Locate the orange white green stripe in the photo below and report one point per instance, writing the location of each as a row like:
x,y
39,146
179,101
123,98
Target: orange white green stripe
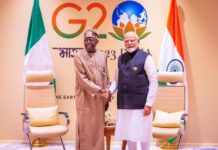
x,y
172,53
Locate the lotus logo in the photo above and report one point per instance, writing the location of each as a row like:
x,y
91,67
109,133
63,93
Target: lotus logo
x,y
129,16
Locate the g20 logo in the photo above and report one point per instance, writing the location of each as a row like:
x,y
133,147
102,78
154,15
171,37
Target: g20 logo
x,y
81,22
127,16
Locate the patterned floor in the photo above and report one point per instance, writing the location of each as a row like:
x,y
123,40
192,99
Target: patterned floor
x,y
19,146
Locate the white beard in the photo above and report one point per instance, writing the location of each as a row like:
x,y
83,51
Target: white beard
x,y
131,50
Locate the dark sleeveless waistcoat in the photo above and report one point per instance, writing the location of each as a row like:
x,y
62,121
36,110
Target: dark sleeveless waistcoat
x,y
132,81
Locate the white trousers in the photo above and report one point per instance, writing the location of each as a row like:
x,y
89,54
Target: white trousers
x,y
132,125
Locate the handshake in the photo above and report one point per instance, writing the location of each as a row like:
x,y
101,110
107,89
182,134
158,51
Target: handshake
x,y
105,93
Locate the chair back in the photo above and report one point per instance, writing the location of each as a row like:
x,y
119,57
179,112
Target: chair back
x,y
170,98
38,92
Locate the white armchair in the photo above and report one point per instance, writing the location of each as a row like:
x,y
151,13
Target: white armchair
x,y
41,116
169,108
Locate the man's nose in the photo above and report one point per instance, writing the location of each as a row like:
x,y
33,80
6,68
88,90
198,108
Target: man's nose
x,y
88,41
128,42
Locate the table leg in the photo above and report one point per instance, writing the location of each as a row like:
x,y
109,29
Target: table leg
x,y
124,142
108,142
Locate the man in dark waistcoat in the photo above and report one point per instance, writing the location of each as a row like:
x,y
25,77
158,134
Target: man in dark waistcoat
x,y
136,82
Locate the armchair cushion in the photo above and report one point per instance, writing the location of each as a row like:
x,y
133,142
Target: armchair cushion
x,y
167,120
48,131
45,116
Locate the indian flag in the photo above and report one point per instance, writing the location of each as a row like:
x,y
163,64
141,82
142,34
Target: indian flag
x,y
37,55
171,54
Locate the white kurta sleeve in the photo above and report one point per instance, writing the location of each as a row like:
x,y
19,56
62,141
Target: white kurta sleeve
x,y
151,72
114,83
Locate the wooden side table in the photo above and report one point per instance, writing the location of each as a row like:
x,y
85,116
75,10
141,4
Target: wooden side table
x,y
108,132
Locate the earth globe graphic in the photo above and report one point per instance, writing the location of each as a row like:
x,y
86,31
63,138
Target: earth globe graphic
x,y
129,16
129,11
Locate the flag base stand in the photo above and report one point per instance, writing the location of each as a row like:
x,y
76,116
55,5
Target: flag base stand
x,y
166,145
39,143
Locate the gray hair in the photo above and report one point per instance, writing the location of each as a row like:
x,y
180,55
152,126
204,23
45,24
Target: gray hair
x,y
132,33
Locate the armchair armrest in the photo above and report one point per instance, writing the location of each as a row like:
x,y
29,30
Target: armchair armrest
x,y
183,122
25,122
67,118
183,117
25,116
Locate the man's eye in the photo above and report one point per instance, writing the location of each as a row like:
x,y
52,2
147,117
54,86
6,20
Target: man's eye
x,y
90,40
129,41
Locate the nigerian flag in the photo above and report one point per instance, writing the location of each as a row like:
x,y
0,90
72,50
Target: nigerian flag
x,y
171,54
37,55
